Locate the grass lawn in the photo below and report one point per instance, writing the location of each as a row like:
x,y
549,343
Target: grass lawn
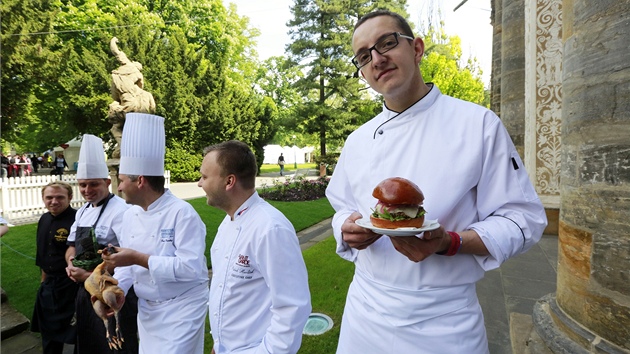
x,y
329,275
267,168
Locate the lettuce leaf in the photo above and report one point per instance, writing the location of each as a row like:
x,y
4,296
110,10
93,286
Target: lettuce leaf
x,y
396,216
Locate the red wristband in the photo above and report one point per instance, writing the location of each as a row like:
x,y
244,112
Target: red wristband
x,y
456,244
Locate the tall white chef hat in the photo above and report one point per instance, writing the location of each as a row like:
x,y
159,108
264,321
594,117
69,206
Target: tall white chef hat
x,y
92,158
143,145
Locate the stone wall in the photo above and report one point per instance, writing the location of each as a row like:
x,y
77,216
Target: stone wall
x,y
513,70
496,19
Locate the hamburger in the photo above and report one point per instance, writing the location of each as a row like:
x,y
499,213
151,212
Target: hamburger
x,y
399,204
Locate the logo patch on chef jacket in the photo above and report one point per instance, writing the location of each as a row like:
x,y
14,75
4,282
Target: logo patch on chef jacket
x,y
101,232
242,269
61,235
166,235
243,260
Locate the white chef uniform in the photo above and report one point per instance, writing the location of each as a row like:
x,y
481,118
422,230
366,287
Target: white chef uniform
x,y
109,225
463,160
173,292
106,220
259,296
91,165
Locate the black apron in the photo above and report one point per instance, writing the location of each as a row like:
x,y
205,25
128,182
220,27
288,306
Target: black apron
x,y
91,329
86,244
54,309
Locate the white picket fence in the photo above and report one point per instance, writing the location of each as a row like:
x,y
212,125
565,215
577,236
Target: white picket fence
x,y
21,197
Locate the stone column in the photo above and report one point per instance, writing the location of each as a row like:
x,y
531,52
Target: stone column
x,y
513,70
591,309
112,166
495,80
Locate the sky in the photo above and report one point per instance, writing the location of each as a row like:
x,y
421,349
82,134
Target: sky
x,y
471,22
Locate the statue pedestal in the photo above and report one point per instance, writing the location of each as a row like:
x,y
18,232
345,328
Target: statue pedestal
x,y
112,166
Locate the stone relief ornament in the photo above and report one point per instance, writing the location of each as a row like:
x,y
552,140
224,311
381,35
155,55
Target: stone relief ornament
x,y
548,95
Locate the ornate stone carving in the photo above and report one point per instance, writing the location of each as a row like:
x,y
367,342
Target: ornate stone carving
x,y
548,95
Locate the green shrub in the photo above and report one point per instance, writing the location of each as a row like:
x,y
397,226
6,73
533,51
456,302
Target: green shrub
x,y
297,190
183,164
328,159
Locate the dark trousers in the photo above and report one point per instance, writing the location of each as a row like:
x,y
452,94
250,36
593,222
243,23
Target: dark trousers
x,y
53,347
53,312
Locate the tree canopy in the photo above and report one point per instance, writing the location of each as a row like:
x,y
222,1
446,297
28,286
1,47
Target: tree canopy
x,y
200,64
198,61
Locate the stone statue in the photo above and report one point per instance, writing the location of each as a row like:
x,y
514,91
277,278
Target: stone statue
x,y
128,92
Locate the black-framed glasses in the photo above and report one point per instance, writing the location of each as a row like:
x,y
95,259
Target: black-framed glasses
x,y
383,46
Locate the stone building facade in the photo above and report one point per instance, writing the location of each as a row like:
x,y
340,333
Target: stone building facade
x,y
561,84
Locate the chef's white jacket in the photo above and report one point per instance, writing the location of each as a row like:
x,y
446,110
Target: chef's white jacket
x,y
176,283
109,225
463,160
259,296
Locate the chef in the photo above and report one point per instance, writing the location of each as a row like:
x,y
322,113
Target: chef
x,y
259,297
98,223
416,294
162,246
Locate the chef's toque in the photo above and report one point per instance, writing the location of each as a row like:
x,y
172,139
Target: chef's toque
x,y
92,159
143,145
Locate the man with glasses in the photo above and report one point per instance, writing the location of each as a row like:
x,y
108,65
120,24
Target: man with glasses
x,y
416,294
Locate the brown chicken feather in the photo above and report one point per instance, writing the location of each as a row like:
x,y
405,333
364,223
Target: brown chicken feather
x,y
107,298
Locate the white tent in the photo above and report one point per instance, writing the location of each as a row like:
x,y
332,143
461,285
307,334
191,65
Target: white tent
x,y
291,154
70,153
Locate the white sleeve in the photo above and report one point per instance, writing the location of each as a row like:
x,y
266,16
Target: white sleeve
x,y
282,266
512,217
124,275
189,261
340,196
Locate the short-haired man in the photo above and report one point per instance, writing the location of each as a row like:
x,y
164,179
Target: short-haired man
x,y
162,246
54,305
416,293
259,296
101,216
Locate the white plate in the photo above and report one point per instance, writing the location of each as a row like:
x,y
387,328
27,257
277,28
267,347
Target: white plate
x,y
428,225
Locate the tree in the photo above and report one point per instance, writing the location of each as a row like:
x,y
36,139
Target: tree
x,y
321,48
442,65
27,61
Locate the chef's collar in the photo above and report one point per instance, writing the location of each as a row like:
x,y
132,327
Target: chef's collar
x,y
422,104
427,101
156,203
246,207
105,200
